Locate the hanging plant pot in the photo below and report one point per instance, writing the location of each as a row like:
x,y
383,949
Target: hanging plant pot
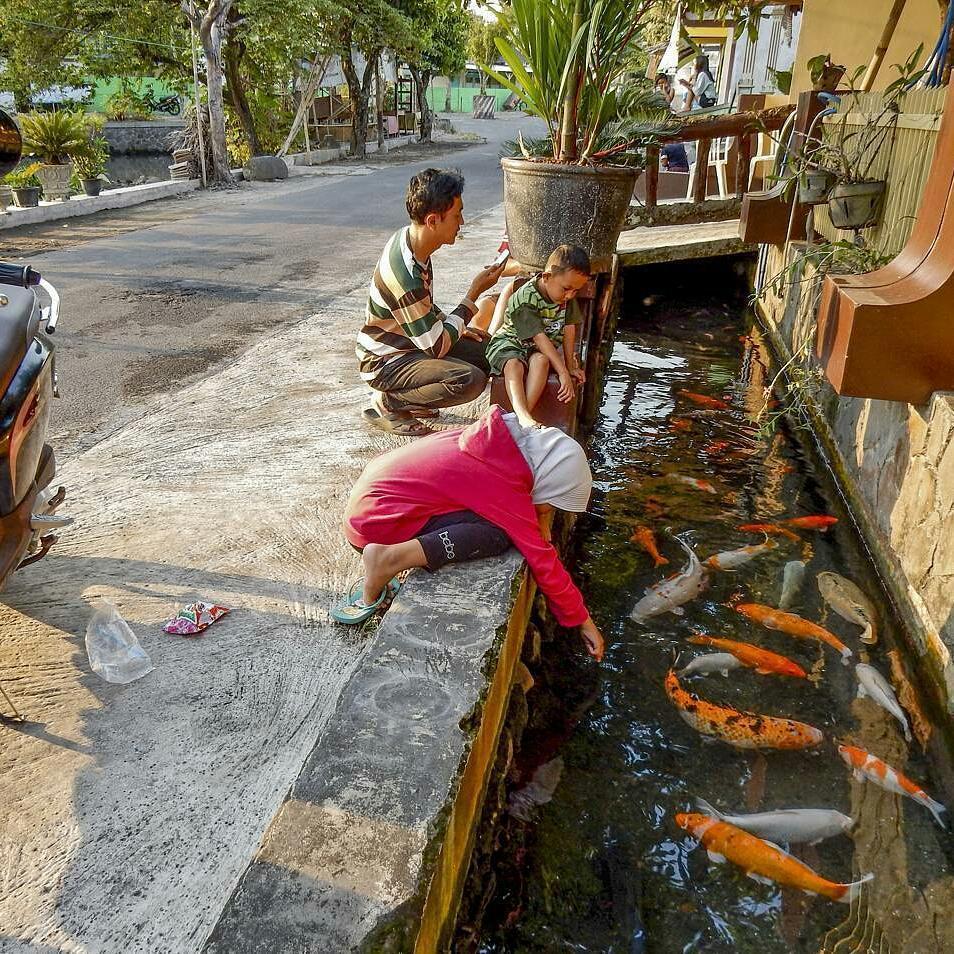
x,y
55,179
27,197
814,185
92,187
550,203
856,205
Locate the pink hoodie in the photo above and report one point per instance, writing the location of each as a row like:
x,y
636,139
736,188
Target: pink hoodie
x,y
477,468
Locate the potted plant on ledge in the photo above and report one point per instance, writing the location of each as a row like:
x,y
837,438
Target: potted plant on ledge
x,y
90,165
25,186
53,139
568,59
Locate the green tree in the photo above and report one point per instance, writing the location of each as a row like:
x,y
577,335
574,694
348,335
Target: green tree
x,y
482,44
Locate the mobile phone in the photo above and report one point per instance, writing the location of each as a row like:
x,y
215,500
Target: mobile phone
x,y
502,257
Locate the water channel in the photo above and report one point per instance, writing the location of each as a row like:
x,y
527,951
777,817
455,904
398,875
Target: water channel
x,y
600,865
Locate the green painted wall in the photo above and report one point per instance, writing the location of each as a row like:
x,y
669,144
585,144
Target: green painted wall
x,y
462,98
105,88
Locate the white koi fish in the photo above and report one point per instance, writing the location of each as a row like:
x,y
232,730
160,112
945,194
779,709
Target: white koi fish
x,y
731,559
711,662
873,685
669,595
847,600
864,765
792,577
790,825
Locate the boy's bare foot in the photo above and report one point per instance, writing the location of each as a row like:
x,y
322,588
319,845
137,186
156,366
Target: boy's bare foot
x,y
527,421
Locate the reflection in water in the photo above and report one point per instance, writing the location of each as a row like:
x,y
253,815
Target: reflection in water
x,y
605,859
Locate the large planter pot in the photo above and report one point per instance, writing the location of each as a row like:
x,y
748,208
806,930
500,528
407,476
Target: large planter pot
x,y
26,198
55,180
92,187
549,204
814,186
856,205
6,198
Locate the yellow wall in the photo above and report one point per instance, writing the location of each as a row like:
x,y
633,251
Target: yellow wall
x,y
850,30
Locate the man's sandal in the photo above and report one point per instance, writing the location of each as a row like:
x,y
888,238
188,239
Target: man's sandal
x,y
400,424
353,610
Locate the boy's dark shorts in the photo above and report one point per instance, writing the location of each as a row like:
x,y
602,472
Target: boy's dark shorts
x,y
498,357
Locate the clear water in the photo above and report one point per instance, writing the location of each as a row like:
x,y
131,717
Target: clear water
x,y
604,860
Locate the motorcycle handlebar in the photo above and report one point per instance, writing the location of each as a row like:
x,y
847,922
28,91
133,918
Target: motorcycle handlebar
x,y
20,275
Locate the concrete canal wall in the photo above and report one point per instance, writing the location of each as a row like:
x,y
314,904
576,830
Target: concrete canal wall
x,y
895,463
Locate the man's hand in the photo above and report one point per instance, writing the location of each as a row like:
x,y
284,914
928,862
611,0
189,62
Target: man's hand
x,y
486,279
592,639
566,392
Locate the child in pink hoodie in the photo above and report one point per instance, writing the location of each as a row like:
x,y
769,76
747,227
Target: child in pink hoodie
x,y
464,494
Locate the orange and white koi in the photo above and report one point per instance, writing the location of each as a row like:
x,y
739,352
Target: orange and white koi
x,y
730,559
793,625
703,400
769,528
814,522
864,765
761,860
693,482
668,595
680,424
647,540
761,660
716,447
743,730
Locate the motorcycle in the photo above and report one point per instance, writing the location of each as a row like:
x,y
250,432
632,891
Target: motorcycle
x,y
28,503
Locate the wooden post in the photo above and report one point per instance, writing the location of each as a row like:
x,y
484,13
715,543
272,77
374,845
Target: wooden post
x,y
743,157
882,47
701,184
652,176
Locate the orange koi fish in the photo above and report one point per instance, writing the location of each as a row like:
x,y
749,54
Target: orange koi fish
x,y
761,860
743,730
864,765
693,482
716,447
647,540
815,522
793,625
703,400
768,528
680,424
654,507
761,660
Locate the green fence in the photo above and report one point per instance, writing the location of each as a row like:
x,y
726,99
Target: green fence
x,y
462,98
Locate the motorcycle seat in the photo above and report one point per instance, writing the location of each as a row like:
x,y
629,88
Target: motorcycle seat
x,y
16,330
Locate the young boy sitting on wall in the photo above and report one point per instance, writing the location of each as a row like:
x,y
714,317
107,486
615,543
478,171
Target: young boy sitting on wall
x,y
540,316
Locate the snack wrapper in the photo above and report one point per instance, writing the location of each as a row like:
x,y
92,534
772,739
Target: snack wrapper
x,y
194,618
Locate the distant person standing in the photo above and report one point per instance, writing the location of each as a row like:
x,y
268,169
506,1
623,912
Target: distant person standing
x,y
701,91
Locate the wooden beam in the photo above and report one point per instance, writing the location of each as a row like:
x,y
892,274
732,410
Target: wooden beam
x,y
652,176
878,57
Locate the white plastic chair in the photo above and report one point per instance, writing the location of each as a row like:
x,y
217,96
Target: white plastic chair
x,y
718,160
765,151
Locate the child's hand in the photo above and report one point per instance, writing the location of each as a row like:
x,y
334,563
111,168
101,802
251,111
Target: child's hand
x,y
578,375
566,392
475,334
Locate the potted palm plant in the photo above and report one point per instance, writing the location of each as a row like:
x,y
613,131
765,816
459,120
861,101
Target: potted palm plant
x,y
568,60
53,139
25,186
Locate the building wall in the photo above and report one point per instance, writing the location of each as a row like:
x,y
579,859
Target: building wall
x,y
772,49
850,32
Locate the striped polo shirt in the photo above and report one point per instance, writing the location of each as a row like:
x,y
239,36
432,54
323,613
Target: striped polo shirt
x,y
401,316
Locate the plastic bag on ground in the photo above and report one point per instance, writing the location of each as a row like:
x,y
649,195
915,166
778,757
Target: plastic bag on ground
x,y
113,650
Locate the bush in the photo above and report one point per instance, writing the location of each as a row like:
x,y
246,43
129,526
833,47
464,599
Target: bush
x,y
23,177
127,104
55,137
91,161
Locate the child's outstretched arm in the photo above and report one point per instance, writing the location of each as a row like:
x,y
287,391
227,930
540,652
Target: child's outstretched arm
x,y
545,346
569,355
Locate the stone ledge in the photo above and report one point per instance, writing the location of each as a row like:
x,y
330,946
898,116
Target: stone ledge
x,y
86,205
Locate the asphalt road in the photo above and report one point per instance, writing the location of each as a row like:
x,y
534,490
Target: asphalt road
x,y
155,297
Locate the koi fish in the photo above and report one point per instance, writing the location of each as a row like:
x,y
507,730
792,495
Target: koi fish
x,y
815,522
730,559
669,595
647,540
680,424
791,825
761,860
703,400
716,447
792,577
743,730
864,765
768,528
694,482
872,684
793,625
711,662
761,660
847,600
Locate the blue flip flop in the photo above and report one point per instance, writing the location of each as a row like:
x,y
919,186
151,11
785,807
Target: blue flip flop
x,y
353,610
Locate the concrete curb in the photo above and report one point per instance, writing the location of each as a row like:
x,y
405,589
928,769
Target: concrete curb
x,y
318,157
87,205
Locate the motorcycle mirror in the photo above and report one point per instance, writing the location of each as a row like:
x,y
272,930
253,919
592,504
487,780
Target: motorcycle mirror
x,y
11,144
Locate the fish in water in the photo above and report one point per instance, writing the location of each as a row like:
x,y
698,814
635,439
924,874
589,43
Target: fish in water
x,y
792,577
768,528
731,559
793,625
693,482
743,730
680,424
814,522
864,765
761,660
873,685
647,540
711,662
669,595
761,860
847,600
791,825
716,447
703,400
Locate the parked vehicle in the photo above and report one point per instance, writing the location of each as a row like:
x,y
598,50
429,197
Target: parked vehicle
x,y
29,309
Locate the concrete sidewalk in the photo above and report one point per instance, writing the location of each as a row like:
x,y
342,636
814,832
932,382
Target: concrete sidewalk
x,y
129,814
